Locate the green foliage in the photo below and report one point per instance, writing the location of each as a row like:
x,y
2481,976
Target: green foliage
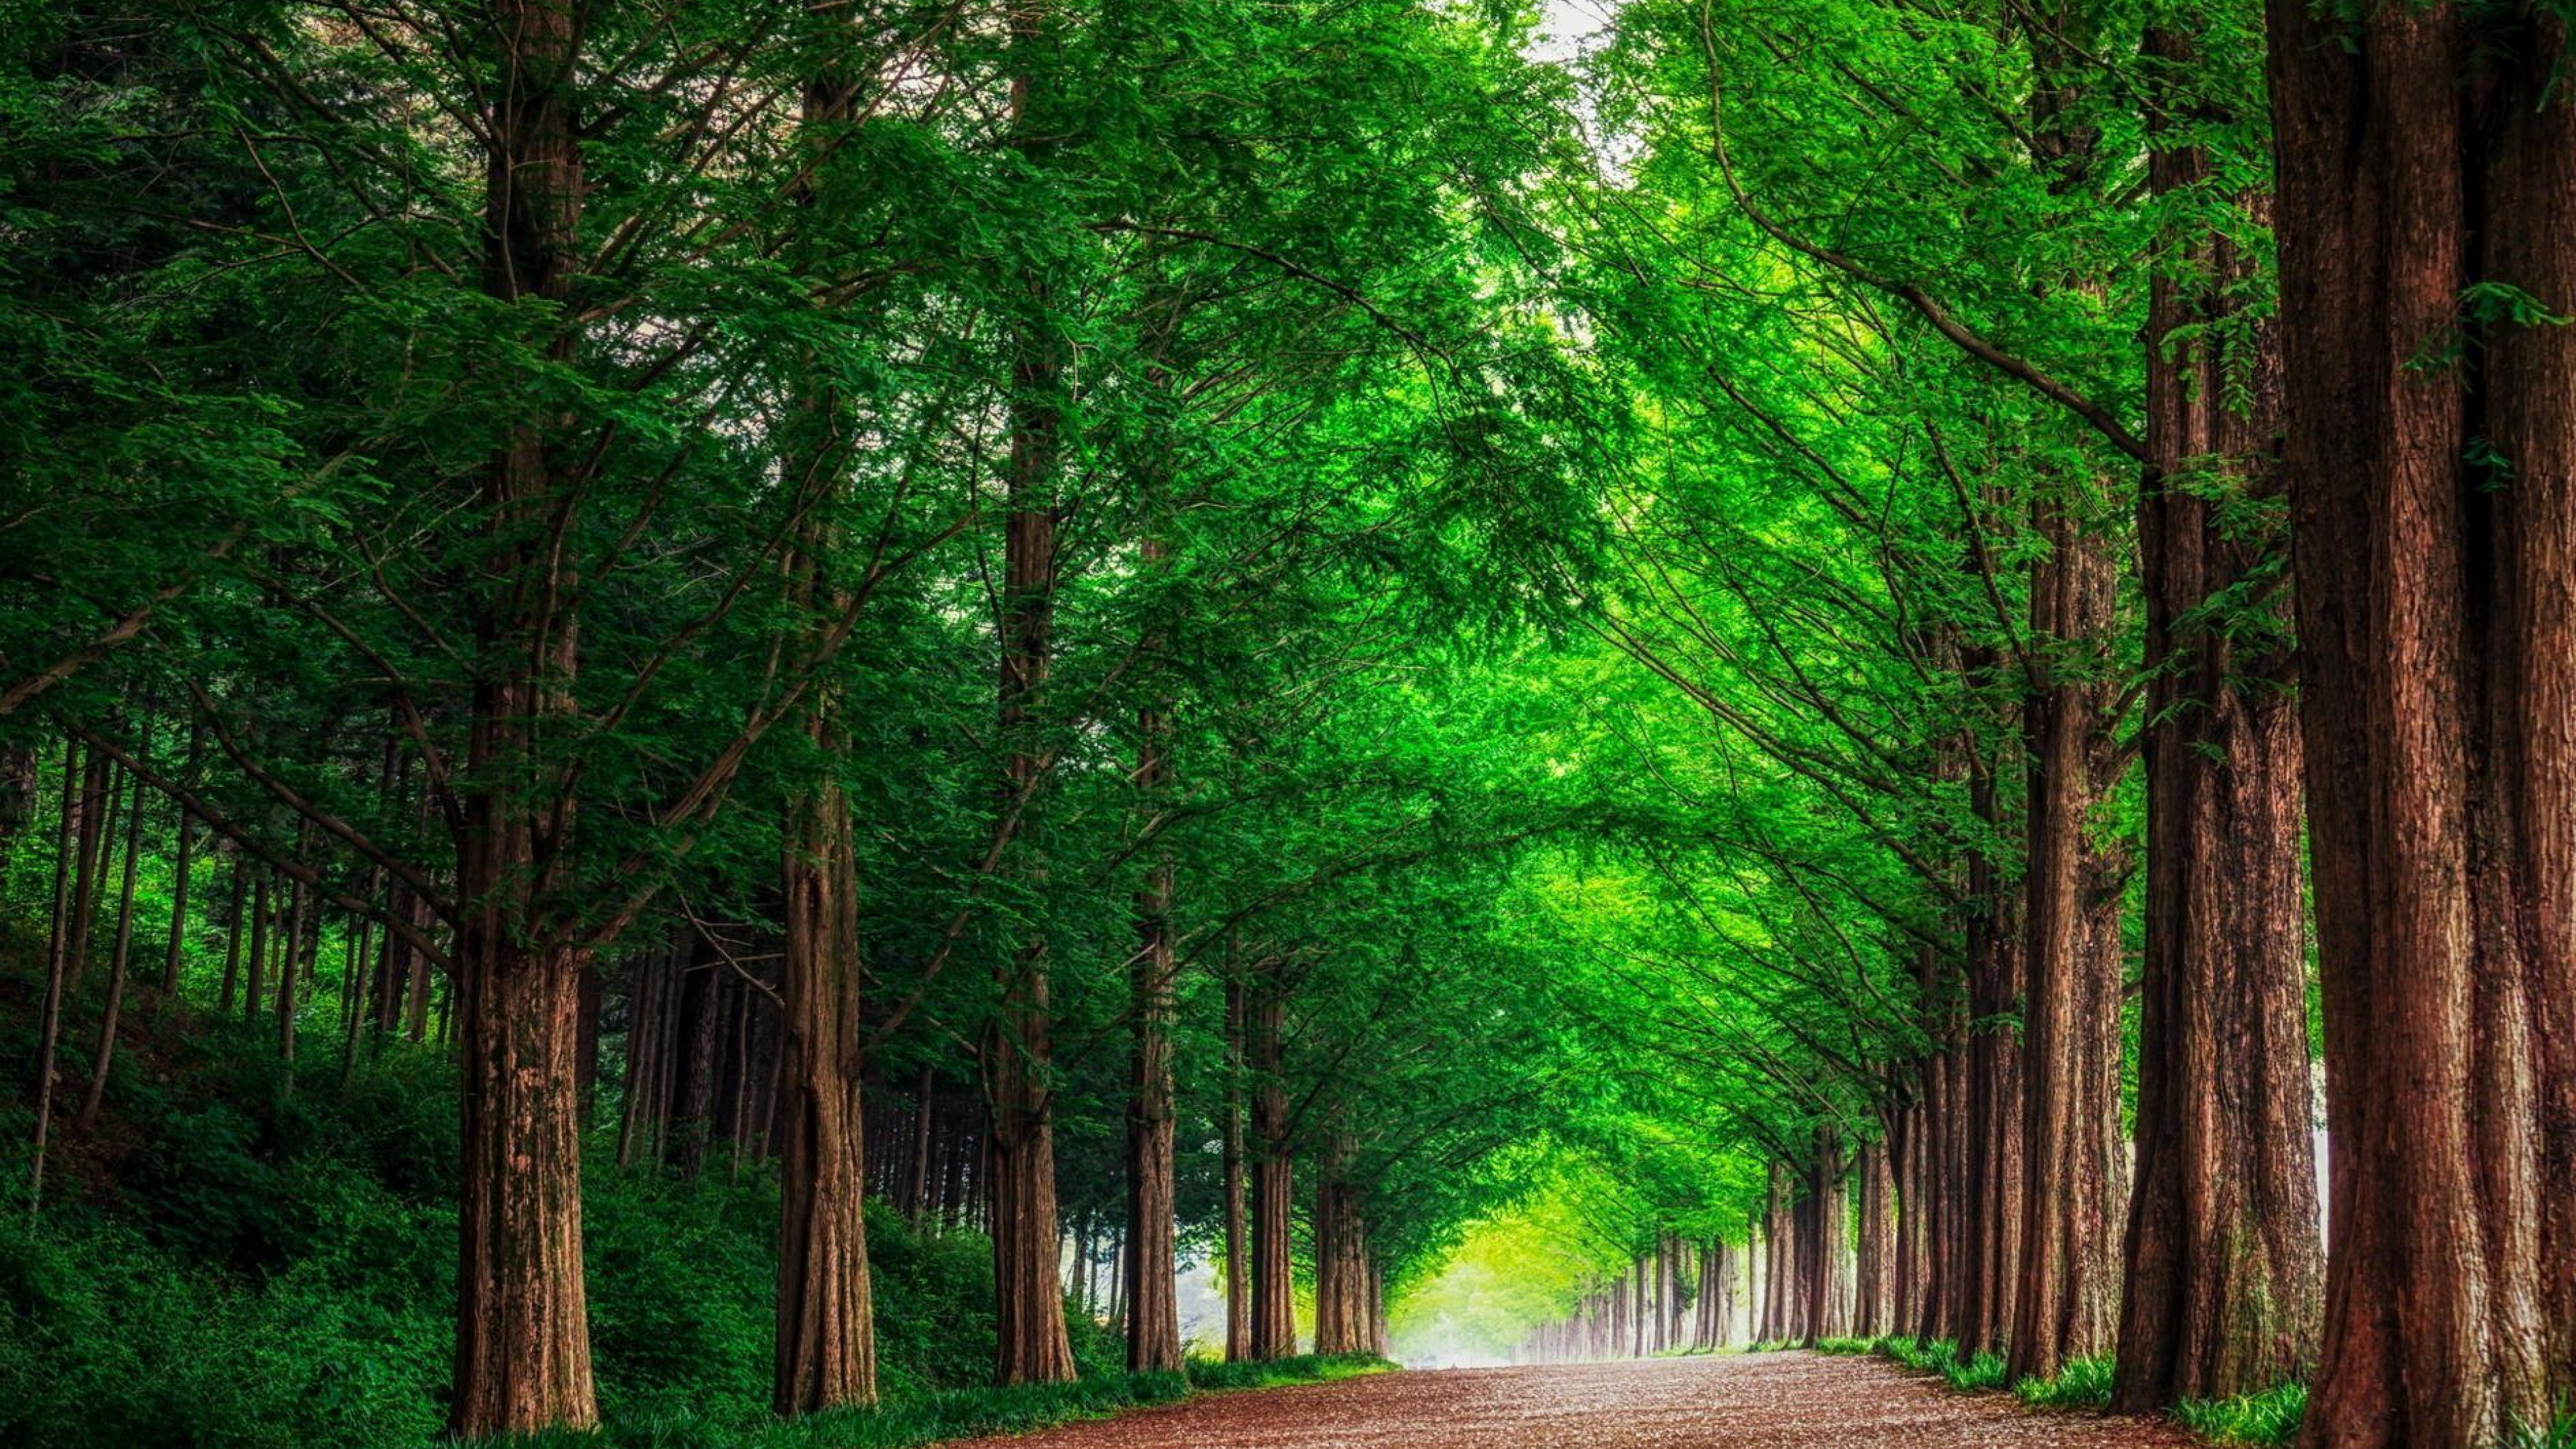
x,y
2084,1383
1845,1346
2265,1419
1923,1356
1976,1373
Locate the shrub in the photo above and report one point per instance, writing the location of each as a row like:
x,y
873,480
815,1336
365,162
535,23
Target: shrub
x,y
2085,1383
1975,1374
1923,1356
2267,1418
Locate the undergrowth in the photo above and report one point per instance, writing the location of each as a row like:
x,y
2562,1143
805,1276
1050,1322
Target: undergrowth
x,y
2084,1383
2262,1419
231,1261
960,1413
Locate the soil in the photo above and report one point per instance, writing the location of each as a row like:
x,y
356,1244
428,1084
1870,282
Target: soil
x,y
1731,1401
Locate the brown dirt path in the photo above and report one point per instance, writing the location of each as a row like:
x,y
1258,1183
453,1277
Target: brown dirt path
x,y
1753,1401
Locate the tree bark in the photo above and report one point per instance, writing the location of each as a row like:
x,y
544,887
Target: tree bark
x,y
826,1347
57,964
118,961
2223,1269
1343,1315
2065,1302
1828,1305
1238,1232
1274,1324
1990,1130
522,1339
1874,1268
2428,186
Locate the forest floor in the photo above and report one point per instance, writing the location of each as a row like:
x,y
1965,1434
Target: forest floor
x,y
1730,1401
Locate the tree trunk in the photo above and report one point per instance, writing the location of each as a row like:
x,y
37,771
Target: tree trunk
x,y
1989,1241
2223,1268
1153,1313
1343,1318
1238,1271
2428,187
826,1349
1274,1325
57,963
184,855
1828,1308
522,1337
97,823
1874,1270
118,961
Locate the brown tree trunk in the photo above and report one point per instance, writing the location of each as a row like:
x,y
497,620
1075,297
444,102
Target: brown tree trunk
x,y
255,975
1153,1313
1874,1270
1343,1317
1990,1129
1274,1324
184,855
826,1348
118,960
2428,185
522,1339
57,963
290,975
1017,1052
89,873
825,1345
1828,1305
1238,1232
2065,1300
2224,1275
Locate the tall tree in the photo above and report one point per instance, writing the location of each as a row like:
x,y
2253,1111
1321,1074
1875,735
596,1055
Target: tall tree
x,y
2427,174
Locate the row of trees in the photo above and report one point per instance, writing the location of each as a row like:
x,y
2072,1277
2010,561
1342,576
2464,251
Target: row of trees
x,y
871,581
1218,627
2104,456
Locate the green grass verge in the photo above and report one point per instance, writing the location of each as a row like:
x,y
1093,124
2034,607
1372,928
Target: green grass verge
x,y
2084,1383
1846,1345
2268,1418
964,1413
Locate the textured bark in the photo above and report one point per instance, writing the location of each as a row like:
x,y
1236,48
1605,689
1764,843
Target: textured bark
x,y
522,1339
2224,1272
1153,1294
2431,468
1274,1324
826,1347
1821,1237
1990,1128
1017,1051
1238,1232
1345,1315
1874,1268
2065,1302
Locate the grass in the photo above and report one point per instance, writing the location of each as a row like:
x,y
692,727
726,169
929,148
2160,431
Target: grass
x,y
1975,1374
961,1413
2084,1383
2261,1419
1846,1345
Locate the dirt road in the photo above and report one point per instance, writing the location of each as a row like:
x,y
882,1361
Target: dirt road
x,y
1755,1401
